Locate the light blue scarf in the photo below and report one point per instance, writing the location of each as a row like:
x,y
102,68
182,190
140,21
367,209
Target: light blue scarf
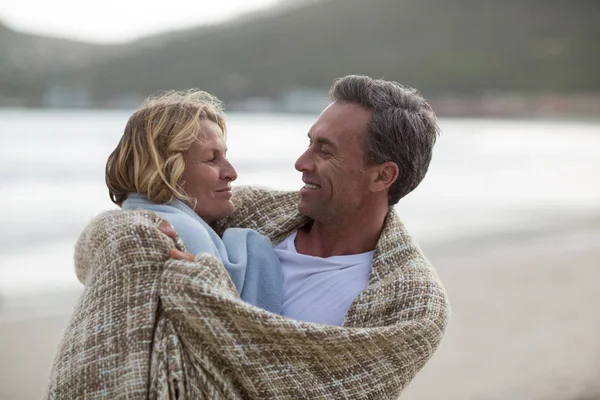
x,y
247,255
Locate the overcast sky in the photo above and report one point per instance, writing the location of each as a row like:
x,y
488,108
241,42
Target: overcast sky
x,y
111,21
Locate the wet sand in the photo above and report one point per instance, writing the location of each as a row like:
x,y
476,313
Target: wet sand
x,y
26,353
525,321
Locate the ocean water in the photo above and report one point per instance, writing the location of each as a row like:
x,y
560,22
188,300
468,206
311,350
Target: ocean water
x,y
487,177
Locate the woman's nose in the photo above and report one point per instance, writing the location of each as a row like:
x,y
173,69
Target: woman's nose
x,y
229,173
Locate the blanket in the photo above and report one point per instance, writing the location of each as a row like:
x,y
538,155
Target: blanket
x,y
148,326
247,256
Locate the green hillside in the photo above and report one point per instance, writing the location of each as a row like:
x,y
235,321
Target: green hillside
x,y
29,62
452,46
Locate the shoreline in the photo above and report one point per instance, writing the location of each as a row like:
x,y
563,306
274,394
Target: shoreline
x,y
456,109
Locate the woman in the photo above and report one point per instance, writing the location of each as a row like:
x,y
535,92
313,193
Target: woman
x,y
172,160
170,165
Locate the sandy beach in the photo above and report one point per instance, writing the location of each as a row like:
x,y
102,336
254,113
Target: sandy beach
x,y
524,324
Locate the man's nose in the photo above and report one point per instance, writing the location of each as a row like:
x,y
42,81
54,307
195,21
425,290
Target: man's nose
x,y
304,163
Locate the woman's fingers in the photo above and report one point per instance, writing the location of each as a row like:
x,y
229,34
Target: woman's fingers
x,y
180,255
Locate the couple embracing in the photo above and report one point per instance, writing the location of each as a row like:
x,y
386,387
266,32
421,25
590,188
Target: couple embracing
x,y
197,289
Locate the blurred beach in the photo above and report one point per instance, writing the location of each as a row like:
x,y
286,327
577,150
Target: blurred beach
x,y
509,214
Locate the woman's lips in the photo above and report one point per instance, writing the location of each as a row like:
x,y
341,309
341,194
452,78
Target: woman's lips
x,y
225,193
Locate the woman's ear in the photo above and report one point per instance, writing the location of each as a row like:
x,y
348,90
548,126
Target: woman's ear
x,y
385,175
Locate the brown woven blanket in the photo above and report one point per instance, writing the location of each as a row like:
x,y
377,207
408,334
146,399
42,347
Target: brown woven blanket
x,y
150,327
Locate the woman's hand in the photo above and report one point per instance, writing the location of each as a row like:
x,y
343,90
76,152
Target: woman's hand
x,y
168,230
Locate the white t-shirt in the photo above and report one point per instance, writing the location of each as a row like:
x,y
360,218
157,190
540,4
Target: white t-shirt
x,y
317,289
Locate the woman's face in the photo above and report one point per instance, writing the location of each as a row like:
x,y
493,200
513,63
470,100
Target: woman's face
x,y
207,174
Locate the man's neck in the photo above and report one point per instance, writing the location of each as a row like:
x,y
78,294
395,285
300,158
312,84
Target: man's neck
x,y
352,236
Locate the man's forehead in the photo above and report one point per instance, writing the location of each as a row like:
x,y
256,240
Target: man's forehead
x,y
340,120
326,108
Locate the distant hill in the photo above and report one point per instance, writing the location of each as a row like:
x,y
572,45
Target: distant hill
x,y
467,47
28,62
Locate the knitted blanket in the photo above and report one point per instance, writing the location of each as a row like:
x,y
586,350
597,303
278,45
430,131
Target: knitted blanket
x,y
247,256
150,327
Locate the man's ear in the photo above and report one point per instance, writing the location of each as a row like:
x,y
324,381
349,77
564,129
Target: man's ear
x,y
384,176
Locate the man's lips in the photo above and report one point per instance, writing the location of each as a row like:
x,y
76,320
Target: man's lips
x,y
310,185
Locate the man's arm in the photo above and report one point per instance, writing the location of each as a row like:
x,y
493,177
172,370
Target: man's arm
x,y
270,212
272,357
256,352
105,351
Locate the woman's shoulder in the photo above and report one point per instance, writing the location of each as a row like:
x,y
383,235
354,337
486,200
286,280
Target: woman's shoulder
x,y
183,219
197,235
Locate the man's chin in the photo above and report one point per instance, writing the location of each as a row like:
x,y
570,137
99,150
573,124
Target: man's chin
x,y
305,209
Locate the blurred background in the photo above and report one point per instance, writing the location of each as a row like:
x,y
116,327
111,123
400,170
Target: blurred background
x,y
509,213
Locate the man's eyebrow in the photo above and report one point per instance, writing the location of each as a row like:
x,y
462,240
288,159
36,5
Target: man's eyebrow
x,y
322,140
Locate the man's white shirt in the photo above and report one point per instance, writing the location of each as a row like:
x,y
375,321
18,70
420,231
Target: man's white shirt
x,y
317,289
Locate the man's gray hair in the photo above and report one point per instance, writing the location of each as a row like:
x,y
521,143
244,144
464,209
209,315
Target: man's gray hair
x,y
403,128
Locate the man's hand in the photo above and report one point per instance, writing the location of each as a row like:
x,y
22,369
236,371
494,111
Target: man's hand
x,y
168,230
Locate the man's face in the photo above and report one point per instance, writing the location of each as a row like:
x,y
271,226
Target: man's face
x,y
333,169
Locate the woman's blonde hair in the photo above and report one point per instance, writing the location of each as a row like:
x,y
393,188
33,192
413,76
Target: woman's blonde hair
x,y
149,157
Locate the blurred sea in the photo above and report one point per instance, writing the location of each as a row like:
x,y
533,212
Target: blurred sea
x,y
488,177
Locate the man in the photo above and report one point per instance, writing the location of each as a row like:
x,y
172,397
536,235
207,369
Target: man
x,y
363,310
369,148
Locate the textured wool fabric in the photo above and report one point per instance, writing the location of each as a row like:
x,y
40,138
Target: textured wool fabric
x,y
150,327
248,257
